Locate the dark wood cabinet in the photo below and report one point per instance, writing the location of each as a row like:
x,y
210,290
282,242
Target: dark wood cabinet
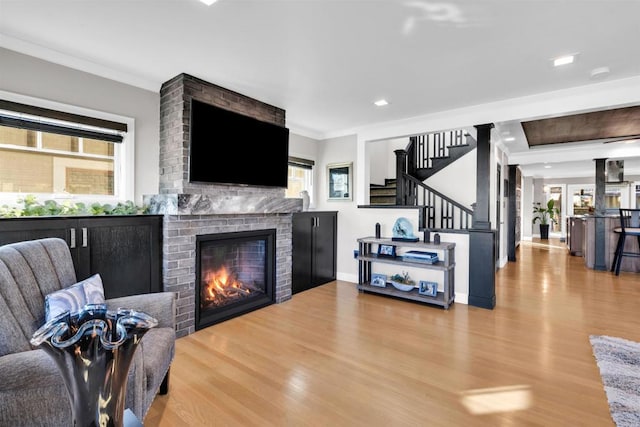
x,y
125,250
314,244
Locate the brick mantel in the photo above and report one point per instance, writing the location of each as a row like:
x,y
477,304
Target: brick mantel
x,y
175,113
192,209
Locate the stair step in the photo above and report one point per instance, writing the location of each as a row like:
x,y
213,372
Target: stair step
x,y
383,194
388,184
382,200
383,191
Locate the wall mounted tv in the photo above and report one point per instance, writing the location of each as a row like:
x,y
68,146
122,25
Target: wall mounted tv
x,y
231,148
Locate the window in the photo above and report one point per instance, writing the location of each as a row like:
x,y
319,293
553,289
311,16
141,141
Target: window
x,y
53,153
300,177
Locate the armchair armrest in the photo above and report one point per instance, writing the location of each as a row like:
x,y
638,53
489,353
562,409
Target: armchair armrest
x,y
161,305
32,391
28,370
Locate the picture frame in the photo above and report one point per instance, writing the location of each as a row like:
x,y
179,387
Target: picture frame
x,y
340,181
379,280
386,250
429,289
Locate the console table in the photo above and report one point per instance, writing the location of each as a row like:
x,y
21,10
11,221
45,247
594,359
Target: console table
x,y
446,264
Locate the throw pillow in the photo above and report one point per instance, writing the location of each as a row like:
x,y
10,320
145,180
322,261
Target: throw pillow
x,y
73,298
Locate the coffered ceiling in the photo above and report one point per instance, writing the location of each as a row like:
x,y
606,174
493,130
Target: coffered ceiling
x,y
614,125
326,62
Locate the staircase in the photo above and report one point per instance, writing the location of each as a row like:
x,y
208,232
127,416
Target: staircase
x,y
383,194
426,155
429,153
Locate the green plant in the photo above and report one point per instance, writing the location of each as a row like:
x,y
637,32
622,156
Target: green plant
x,y
545,214
402,278
31,207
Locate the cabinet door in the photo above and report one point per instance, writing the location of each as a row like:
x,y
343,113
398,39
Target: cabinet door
x,y
301,252
126,251
21,229
324,248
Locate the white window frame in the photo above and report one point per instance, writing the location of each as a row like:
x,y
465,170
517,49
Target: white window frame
x,y
310,177
123,158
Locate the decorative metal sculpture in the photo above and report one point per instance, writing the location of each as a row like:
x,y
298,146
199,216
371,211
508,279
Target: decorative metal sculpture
x,y
93,349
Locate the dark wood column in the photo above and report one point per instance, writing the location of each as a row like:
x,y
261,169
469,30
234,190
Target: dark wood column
x,y
401,168
600,211
482,240
483,177
511,212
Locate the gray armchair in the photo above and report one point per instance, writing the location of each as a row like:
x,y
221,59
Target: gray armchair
x,y
32,391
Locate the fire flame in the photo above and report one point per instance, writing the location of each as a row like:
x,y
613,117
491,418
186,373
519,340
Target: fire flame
x,y
222,285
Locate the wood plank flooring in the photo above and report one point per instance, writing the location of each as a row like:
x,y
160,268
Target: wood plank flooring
x,y
334,357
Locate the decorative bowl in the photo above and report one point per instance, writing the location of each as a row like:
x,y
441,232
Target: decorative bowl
x,y
406,287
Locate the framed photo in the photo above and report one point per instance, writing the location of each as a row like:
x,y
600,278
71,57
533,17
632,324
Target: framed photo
x,y
379,280
387,251
340,181
429,289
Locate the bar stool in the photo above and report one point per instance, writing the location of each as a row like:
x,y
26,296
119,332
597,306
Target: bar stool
x,y
629,226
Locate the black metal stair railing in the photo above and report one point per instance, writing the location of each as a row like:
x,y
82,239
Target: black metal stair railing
x,y
423,149
439,211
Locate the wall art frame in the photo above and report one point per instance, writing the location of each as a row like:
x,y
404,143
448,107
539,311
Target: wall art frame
x,y
340,181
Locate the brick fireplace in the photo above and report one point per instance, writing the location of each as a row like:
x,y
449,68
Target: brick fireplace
x,y
195,209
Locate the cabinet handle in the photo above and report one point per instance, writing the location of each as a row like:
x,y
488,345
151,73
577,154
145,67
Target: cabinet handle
x,y
317,221
72,238
84,237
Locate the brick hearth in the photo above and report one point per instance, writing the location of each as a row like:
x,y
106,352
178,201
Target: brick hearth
x,y
192,209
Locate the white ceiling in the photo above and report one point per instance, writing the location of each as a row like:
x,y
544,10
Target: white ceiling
x,y
326,61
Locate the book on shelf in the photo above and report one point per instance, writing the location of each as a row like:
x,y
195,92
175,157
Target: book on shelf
x,y
420,256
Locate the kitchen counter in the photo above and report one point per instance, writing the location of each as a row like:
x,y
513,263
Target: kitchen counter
x,y
611,240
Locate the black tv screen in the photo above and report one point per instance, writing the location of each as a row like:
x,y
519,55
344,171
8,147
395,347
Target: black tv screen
x,y
231,148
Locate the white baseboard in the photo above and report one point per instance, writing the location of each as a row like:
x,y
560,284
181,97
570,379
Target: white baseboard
x,y
353,278
462,299
527,238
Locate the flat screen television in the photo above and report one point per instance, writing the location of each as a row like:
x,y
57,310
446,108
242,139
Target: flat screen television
x,y
231,148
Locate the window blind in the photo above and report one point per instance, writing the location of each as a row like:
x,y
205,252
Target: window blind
x,y
29,117
301,163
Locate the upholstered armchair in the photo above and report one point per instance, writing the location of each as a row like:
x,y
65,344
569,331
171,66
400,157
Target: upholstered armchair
x,y
32,391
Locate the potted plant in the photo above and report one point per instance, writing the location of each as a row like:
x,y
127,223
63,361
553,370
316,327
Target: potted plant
x,y
402,282
545,214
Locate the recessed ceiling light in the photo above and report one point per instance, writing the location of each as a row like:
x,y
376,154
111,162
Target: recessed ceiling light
x,y
381,103
547,167
208,2
509,139
563,60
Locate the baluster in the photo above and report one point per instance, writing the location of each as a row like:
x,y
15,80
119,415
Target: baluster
x,y
427,157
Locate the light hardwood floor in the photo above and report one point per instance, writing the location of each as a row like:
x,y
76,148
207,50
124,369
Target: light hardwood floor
x,y
334,357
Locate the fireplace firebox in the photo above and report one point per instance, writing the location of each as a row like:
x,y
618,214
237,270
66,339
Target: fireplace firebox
x,y
235,274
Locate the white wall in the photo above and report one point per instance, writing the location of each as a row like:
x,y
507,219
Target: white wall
x,y
382,159
458,180
303,147
26,75
392,145
354,222
378,157
307,148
